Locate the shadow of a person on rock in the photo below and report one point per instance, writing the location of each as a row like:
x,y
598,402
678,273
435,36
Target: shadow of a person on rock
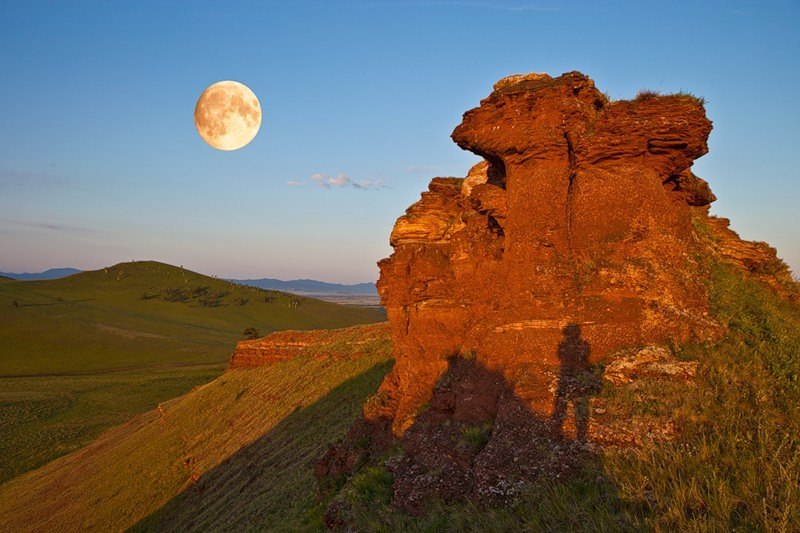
x,y
576,382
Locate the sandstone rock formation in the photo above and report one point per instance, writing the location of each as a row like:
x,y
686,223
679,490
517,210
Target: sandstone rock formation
x,y
580,214
757,259
573,242
285,345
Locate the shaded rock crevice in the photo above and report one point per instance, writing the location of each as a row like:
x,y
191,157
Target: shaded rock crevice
x,y
572,175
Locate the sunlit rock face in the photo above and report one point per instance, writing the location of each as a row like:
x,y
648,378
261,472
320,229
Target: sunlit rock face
x,y
580,214
756,259
582,237
288,344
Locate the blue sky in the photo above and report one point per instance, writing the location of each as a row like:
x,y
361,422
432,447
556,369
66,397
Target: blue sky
x,y
100,161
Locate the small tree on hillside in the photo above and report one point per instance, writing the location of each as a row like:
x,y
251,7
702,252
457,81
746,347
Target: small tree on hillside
x,y
251,333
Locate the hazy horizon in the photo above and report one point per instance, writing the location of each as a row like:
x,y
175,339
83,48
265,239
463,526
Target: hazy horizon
x,y
2,272
100,161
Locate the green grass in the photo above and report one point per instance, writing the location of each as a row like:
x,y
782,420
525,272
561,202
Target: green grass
x,y
476,437
45,418
737,463
102,320
84,353
237,451
647,94
734,466
687,94
586,503
252,436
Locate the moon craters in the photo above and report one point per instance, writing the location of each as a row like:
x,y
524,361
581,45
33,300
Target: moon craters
x,y
227,115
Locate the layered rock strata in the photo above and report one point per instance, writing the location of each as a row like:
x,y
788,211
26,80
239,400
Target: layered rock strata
x,y
578,244
285,345
579,215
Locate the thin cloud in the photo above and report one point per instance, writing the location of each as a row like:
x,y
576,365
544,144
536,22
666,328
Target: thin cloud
x,y
320,180
339,181
16,177
51,226
323,181
368,184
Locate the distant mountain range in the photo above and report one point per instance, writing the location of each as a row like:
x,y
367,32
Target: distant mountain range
x,y
309,286
295,285
53,273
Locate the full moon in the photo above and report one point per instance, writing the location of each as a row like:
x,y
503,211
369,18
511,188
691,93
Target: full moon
x,y
227,115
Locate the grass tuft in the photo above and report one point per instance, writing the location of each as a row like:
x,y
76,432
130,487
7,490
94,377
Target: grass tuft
x,y
686,94
476,437
646,94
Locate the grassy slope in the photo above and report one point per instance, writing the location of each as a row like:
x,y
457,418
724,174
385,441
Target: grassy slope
x,y
45,418
737,464
83,353
98,320
247,440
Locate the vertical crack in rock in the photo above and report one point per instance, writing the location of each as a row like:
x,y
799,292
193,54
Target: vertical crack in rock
x,y
572,174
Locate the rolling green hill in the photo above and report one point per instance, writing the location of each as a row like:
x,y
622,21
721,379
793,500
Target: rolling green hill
x,y
235,452
83,353
145,313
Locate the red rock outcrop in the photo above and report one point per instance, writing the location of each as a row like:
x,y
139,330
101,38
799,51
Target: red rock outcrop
x,y
580,214
756,259
573,242
284,345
